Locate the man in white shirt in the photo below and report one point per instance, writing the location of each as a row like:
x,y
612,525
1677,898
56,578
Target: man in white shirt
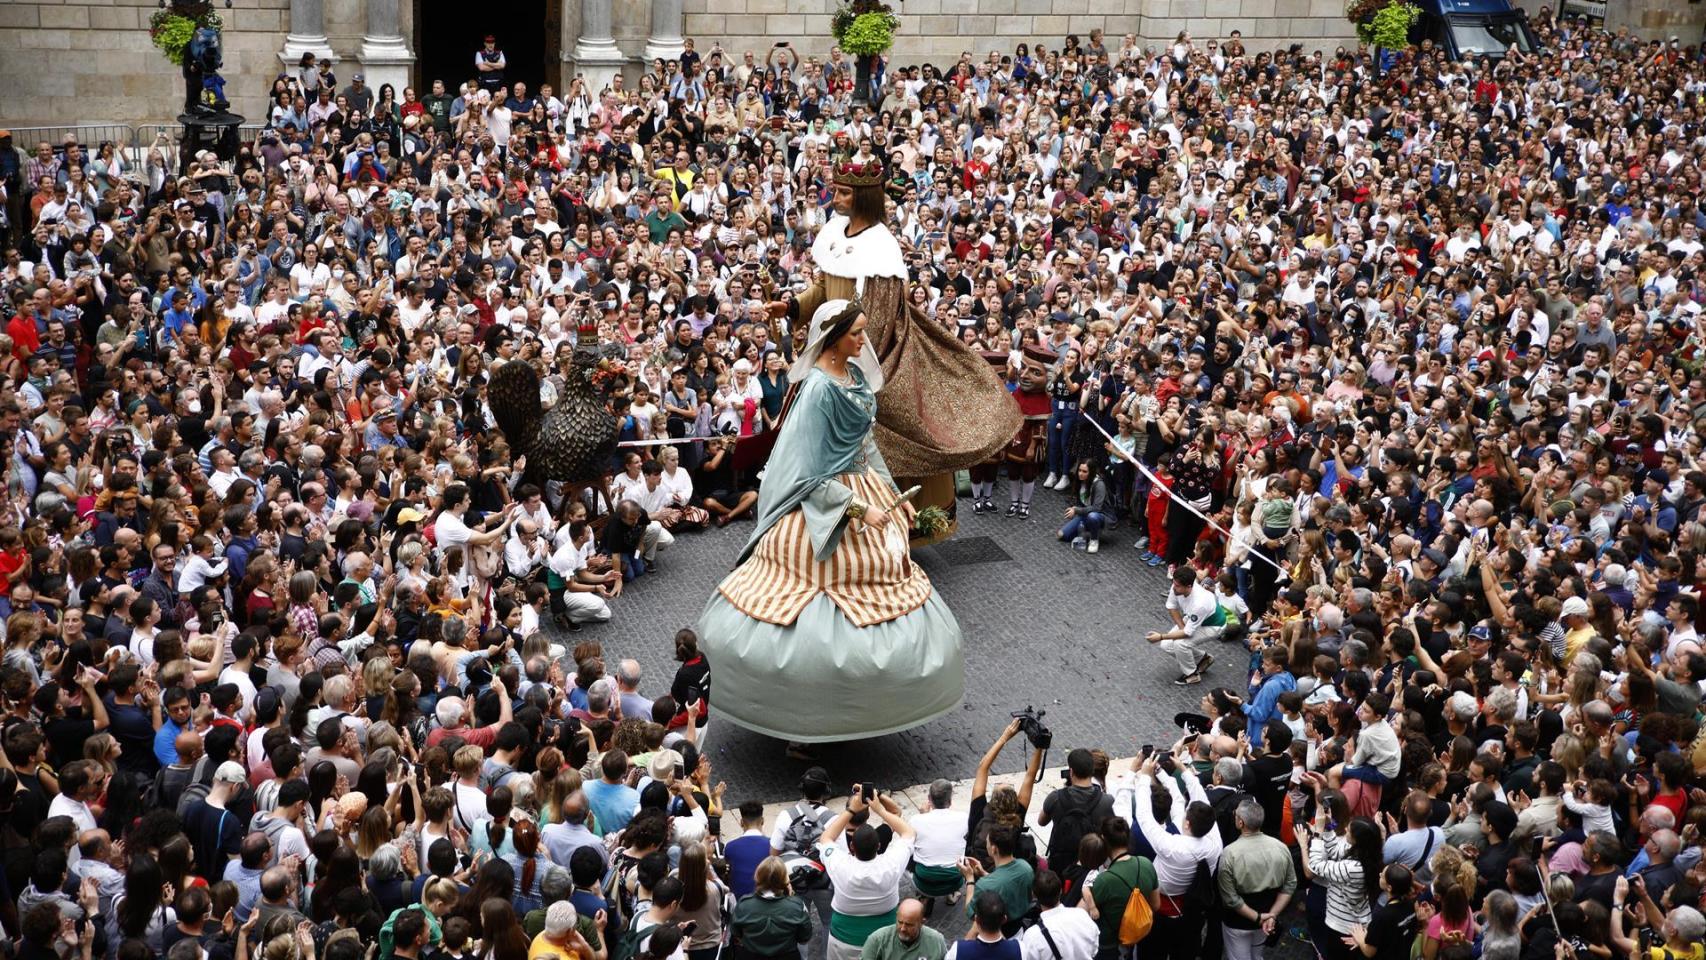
x,y
1197,618
243,649
1060,933
866,882
582,598
81,781
526,552
1176,854
939,844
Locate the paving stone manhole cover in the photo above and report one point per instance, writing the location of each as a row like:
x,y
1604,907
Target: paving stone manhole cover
x,y
965,551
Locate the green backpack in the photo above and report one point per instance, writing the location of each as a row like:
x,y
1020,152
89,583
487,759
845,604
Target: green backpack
x,y
627,947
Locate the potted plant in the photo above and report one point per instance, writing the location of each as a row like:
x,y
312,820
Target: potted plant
x,y
864,29
172,28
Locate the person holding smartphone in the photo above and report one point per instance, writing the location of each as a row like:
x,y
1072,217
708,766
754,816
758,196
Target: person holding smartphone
x,y
865,876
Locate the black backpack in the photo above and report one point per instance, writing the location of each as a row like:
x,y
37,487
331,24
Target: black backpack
x,y
1203,894
1070,825
799,846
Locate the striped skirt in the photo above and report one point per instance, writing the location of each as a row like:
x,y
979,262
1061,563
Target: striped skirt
x,y
870,576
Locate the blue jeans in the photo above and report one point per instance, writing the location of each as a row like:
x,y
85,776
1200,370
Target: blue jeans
x,y
1087,524
633,566
1365,773
1060,424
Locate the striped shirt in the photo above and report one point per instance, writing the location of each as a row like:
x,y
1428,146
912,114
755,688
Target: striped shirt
x,y
870,576
1347,895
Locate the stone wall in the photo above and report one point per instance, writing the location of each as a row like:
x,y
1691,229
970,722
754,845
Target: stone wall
x,y
1658,19
90,61
938,29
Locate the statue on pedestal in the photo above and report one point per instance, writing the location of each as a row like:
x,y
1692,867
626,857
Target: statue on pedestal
x,y
204,87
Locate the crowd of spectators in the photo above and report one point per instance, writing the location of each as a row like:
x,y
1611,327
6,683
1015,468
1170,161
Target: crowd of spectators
x,y
1424,342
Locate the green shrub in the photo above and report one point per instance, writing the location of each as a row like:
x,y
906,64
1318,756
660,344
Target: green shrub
x,y
869,34
172,33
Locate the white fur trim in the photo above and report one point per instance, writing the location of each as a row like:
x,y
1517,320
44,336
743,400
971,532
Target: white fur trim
x,y
873,253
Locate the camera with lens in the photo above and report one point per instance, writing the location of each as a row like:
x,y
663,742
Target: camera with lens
x,y
1031,725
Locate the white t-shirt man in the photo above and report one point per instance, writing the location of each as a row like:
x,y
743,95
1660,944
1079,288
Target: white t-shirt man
x,y
244,685
453,537
941,839
1074,933
1198,609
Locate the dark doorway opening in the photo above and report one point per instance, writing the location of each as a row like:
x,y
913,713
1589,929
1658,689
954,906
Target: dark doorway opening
x,y
447,35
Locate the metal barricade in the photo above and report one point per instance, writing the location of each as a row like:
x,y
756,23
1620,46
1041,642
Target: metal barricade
x,y
150,137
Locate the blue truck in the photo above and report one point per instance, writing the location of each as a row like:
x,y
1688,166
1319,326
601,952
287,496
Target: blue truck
x,y
1473,29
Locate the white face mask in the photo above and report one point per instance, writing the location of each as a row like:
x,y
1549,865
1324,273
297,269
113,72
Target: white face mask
x,y
195,406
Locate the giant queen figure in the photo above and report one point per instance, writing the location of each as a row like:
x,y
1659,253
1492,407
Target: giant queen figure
x,y
826,630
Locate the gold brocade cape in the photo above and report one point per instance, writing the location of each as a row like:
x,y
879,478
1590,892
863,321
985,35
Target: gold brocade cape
x,y
942,407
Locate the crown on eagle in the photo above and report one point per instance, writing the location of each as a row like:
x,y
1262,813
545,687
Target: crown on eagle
x,y
859,173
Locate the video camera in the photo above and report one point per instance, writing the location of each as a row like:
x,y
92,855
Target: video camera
x,y
1031,725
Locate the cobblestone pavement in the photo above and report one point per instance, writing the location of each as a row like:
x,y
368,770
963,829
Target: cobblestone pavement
x,y
1044,624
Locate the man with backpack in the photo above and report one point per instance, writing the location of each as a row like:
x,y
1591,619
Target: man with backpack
x,y
795,839
1125,878
637,932
215,833
1256,884
279,824
1074,810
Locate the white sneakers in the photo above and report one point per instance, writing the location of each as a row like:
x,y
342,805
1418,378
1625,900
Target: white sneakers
x,y
1050,480
1094,546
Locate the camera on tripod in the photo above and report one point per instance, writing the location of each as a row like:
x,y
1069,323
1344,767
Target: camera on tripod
x,y
1031,725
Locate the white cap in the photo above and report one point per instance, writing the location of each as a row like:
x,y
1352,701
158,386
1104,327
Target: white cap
x,y
230,772
1574,607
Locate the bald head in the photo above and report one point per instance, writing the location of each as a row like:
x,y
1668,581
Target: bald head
x,y
574,808
909,920
94,844
188,745
275,885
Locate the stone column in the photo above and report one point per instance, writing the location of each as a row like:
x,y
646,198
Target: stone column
x,y
307,32
385,55
597,57
665,39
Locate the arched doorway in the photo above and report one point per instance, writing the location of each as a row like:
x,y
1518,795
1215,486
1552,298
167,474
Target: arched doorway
x,y
528,31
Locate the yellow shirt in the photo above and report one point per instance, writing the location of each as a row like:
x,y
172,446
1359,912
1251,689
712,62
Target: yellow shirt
x,y
1574,640
680,181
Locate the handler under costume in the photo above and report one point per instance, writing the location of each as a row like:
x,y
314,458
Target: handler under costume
x,y
827,630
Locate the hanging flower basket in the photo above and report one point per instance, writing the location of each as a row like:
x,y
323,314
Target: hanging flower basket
x,y
864,28
172,31
1383,24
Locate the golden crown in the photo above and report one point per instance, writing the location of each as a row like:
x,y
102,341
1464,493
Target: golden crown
x,y
859,173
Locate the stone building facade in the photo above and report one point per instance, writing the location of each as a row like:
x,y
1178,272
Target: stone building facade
x,y
86,61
